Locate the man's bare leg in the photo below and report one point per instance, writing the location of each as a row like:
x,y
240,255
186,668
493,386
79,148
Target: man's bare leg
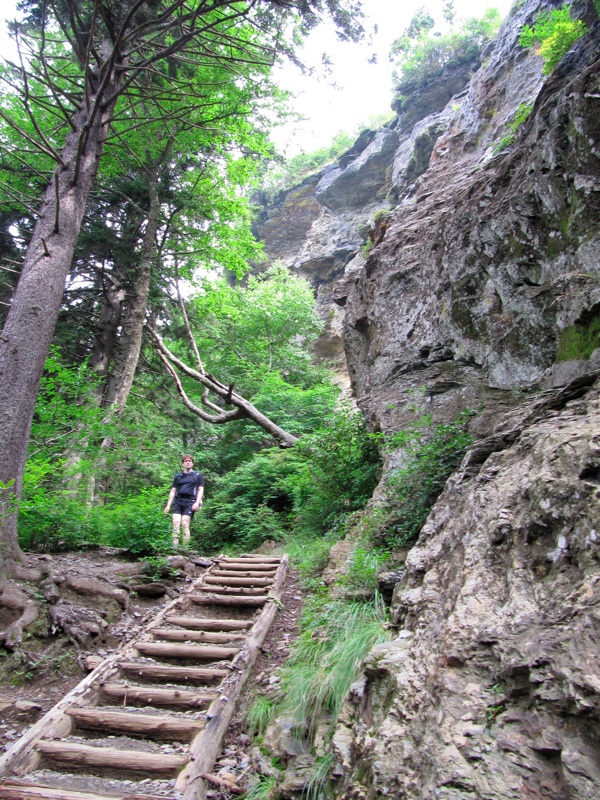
x,y
176,527
185,529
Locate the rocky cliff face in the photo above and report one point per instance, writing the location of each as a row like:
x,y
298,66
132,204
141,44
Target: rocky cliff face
x,y
483,287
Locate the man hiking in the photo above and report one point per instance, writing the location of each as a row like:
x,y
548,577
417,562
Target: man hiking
x,y
185,497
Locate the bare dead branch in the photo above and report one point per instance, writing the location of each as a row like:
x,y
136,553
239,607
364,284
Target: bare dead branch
x,y
246,409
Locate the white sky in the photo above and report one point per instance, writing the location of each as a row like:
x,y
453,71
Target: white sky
x,y
355,90
361,89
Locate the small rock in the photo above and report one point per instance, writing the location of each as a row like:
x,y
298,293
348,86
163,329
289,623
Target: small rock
x,y
24,706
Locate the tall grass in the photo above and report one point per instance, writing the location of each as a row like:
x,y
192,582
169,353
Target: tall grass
x,y
259,715
335,640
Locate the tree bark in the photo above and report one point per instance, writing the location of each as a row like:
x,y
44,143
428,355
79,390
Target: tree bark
x,y
27,334
121,378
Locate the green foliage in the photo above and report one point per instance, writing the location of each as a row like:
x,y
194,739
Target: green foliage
x,y
521,114
421,56
365,564
259,715
553,34
265,789
429,454
340,469
329,473
262,327
249,504
335,637
580,340
137,523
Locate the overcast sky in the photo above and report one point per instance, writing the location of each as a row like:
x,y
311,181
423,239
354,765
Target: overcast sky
x,y
355,90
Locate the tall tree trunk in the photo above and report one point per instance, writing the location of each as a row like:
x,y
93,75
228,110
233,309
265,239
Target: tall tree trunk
x,y
27,334
128,349
129,346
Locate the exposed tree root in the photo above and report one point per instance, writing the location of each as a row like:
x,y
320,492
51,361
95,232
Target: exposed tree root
x,y
17,600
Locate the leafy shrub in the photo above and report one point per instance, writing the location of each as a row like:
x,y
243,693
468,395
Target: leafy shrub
x,y
250,503
328,474
54,521
137,524
521,114
340,469
429,454
553,34
422,56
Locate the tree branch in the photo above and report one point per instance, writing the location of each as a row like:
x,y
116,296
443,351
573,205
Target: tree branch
x,y
246,409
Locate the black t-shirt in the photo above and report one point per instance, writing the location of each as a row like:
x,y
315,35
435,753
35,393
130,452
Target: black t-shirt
x,y
187,483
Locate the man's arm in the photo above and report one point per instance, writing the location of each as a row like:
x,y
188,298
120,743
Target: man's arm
x,y
170,500
199,495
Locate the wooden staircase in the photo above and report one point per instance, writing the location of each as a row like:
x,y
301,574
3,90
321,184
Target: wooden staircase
x,y
149,721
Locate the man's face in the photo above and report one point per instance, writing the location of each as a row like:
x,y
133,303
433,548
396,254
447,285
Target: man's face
x,y
187,464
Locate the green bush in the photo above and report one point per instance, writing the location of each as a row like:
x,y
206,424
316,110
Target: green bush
x,y
422,56
54,522
311,487
553,34
341,467
137,524
519,117
429,454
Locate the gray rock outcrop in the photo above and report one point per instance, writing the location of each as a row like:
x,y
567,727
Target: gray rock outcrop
x,y
482,289
492,687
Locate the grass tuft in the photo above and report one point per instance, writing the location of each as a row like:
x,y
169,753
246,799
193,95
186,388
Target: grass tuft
x,y
260,713
336,638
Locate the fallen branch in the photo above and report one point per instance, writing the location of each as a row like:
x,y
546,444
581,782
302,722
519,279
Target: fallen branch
x,y
243,408
231,787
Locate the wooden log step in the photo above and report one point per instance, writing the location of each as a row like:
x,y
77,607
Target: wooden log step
x,y
186,651
226,580
200,624
163,672
256,565
15,790
158,697
227,600
173,635
250,559
243,573
151,725
246,591
84,755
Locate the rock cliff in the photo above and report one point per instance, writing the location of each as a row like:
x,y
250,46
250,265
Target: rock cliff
x,y
481,284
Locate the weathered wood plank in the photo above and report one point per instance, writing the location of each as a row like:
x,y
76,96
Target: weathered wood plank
x,y
15,790
174,635
229,581
192,651
158,697
168,673
243,573
244,591
111,757
181,728
227,600
200,624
